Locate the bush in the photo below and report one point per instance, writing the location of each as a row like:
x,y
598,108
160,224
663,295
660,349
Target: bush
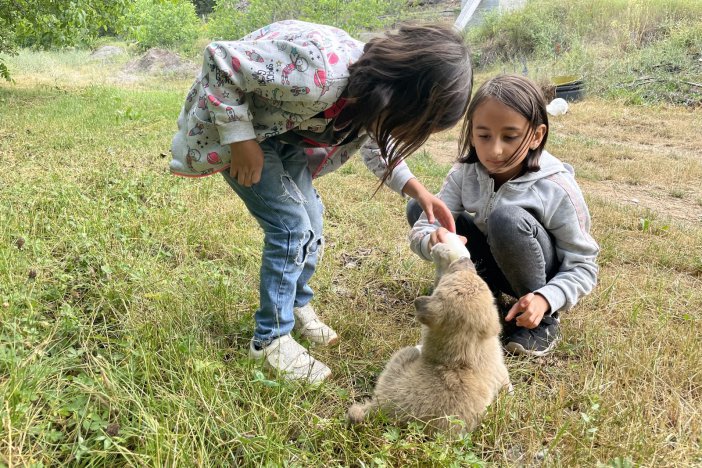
x,y
231,21
49,24
164,23
640,51
545,28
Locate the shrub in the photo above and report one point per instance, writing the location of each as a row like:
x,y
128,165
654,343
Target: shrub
x,y
640,51
49,24
164,23
231,19
547,29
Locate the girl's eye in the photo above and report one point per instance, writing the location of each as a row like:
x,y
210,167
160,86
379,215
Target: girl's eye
x,y
483,137
511,137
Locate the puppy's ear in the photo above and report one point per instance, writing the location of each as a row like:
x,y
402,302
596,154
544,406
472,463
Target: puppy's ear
x,y
428,309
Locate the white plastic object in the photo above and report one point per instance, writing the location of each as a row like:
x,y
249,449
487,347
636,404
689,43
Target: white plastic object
x,y
456,245
558,106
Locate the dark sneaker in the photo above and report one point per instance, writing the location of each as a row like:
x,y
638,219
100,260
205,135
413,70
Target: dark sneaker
x,y
537,341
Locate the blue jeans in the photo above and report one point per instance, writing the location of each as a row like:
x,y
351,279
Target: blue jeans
x,y
518,255
289,210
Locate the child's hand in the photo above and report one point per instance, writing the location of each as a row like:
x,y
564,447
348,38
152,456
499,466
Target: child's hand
x,y
247,162
531,309
436,209
439,236
433,206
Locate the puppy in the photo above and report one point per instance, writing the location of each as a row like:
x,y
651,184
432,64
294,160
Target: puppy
x,y
460,368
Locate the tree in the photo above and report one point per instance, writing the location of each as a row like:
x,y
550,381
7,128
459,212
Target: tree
x,y
203,7
55,23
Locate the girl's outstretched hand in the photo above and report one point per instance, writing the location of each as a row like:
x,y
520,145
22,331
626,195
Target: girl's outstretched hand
x,y
434,208
247,162
531,309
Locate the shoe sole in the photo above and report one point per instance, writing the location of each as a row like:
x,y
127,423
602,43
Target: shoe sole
x,y
275,373
516,348
331,342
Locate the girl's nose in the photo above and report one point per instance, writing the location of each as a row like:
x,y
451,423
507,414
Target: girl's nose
x,y
497,149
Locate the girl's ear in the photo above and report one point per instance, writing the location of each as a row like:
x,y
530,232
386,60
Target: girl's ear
x,y
427,310
538,136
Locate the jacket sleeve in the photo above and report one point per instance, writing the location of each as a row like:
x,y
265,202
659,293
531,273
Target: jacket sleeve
x,y
568,220
290,77
450,194
374,161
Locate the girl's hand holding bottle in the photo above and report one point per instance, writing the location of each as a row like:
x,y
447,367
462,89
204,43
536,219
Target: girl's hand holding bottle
x,y
441,236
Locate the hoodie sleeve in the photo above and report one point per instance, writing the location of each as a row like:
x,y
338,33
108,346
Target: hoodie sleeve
x,y
450,194
374,161
568,220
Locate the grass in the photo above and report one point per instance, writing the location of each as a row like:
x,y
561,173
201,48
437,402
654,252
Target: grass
x,y
638,51
126,297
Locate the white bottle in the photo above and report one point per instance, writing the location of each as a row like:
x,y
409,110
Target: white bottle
x,y
456,245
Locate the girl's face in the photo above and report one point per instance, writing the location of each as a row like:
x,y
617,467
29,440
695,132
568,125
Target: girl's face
x,y
497,134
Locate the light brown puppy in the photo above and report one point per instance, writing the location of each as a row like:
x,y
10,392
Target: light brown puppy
x,y
460,368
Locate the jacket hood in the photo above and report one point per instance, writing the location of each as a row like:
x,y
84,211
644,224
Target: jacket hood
x,y
548,163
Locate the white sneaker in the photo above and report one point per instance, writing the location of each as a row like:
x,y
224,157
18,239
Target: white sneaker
x,y
292,361
309,326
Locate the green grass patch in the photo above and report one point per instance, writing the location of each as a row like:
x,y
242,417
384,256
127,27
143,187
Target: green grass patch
x,y
641,52
127,295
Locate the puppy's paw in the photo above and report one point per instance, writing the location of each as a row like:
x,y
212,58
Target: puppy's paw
x,y
357,413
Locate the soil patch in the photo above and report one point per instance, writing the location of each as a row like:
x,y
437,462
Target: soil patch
x,y
106,53
161,62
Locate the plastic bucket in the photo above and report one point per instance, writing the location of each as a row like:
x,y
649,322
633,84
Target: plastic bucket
x,y
569,87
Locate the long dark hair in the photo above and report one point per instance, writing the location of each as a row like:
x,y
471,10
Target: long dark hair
x,y
408,85
524,97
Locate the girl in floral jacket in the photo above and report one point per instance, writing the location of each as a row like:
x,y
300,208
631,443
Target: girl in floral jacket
x,y
293,101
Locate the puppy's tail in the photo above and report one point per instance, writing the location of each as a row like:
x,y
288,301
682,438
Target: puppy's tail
x,y
358,412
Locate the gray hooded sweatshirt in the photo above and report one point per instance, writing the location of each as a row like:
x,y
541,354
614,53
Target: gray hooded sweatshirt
x,y
552,196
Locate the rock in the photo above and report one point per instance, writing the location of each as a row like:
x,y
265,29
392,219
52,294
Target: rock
x,y
106,53
161,61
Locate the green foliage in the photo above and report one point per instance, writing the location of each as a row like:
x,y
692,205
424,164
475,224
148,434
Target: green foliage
x,y
641,51
52,24
546,28
7,36
520,33
164,23
231,21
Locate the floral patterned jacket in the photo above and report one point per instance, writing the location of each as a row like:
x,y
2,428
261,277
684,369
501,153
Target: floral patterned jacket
x,y
285,77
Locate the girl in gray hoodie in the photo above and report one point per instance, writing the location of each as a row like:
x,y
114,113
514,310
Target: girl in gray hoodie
x,y
522,212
